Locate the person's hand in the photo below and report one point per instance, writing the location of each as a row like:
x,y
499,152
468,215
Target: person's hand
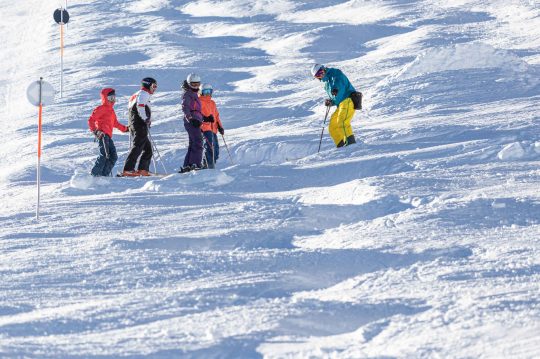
x,y
208,118
221,130
99,134
328,102
195,123
148,122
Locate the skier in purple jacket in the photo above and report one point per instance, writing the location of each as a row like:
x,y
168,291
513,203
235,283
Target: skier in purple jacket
x,y
191,107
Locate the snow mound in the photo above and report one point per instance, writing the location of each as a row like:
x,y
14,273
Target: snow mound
x,y
350,193
237,9
474,55
86,181
519,151
351,12
144,6
259,151
456,76
173,182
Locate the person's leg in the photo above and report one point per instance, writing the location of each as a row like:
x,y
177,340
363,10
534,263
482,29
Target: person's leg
x,y
139,139
195,150
113,156
146,158
216,147
340,122
333,128
198,149
208,147
187,126
97,170
348,113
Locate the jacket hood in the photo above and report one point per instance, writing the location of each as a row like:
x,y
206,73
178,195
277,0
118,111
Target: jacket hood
x,y
104,93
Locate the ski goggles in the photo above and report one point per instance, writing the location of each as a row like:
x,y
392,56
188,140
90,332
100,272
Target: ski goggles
x,y
319,74
111,97
153,86
207,92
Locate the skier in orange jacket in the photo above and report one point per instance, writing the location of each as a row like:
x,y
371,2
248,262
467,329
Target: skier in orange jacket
x,y
211,125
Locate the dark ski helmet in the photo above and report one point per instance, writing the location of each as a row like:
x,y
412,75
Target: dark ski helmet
x,y
147,82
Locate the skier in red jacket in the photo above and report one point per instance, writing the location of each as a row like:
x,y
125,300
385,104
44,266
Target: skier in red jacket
x,y
101,123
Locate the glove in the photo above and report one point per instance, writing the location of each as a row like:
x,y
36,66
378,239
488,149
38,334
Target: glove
x,y
221,130
99,134
334,92
328,102
208,118
195,123
148,122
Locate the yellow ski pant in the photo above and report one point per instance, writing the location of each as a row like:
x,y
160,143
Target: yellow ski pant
x,y
340,122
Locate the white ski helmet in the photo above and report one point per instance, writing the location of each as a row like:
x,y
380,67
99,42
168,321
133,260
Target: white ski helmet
x,y
192,77
206,90
315,68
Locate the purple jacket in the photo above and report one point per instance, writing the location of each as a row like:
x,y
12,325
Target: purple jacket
x,y
191,105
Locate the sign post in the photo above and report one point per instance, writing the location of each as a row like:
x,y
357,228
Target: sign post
x,y
39,93
61,17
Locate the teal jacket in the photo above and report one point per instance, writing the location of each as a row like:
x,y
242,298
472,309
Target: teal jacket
x,y
334,79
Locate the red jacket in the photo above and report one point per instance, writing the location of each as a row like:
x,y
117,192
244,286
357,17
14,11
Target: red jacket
x,y
208,107
103,117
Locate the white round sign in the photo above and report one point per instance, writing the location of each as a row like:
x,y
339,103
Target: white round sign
x,y
47,93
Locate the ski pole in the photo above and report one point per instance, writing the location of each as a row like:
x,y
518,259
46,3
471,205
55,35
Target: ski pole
x,y
227,147
157,152
324,124
129,149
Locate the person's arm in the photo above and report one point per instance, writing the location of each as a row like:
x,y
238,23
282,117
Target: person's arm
x,y
143,99
94,122
338,88
118,125
218,120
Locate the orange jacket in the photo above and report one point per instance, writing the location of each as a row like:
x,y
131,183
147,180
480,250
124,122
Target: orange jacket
x,y
209,108
103,117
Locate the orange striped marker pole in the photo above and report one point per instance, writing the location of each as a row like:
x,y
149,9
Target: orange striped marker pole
x,y
62,54
40,94
39,145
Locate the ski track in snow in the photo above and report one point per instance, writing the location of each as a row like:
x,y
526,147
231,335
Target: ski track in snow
x,y
419,241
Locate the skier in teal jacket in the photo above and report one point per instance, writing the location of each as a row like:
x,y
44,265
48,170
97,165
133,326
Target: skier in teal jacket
x,y
339,90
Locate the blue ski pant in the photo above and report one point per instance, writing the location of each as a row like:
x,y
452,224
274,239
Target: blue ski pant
x,y
107,157
211,146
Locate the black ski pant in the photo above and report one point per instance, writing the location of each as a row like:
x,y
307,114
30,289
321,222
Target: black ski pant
x,y
141,147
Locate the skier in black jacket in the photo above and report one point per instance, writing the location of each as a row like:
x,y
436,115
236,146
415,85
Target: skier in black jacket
x,y
140,120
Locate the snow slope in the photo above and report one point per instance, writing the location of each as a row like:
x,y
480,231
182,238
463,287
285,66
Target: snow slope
x,y
419,241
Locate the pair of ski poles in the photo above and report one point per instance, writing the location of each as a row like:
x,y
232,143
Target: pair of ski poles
x,y
154,149
211,145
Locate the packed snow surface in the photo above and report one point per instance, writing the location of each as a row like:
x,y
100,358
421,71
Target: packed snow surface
x,y
421,240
